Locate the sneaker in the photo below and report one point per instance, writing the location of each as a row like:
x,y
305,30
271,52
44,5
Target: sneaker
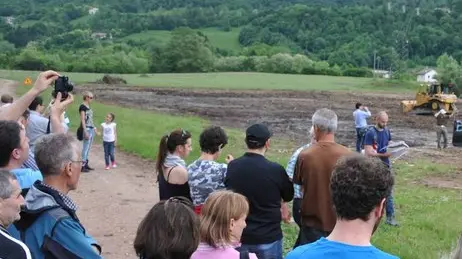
x,y
392,222
114,165
107,168
85,170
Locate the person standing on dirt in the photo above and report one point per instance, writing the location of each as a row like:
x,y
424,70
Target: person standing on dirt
x,y
360,115
376,142
266,186
89,129
441,123
205,175
313,171
172,173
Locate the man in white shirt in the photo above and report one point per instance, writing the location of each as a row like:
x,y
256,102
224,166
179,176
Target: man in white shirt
x,y
360,115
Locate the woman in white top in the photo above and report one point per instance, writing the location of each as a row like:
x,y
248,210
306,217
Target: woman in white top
x,y
109,129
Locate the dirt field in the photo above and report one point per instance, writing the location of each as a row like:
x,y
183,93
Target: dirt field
x,y
112,203
287,112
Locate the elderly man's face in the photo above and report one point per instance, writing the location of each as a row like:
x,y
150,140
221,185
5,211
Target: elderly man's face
x,y
75,169
11,206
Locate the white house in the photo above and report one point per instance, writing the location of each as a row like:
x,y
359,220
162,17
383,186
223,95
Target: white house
x,y
382,73
427,75
93,10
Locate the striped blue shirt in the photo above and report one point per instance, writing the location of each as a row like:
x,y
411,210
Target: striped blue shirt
x,y
290,171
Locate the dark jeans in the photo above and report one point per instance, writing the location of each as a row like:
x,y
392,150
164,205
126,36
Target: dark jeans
x,y
308,235
264,251
108,152
296,211
359,136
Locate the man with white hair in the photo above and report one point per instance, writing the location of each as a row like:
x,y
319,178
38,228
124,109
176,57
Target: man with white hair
x,y
313,171
11,201
441,123
49,225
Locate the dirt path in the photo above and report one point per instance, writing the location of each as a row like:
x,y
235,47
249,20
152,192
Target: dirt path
x,y
111,203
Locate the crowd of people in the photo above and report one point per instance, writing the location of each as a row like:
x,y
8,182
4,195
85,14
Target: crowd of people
x,y
207,209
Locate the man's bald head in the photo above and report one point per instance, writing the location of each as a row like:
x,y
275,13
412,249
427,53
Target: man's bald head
x,y
382,119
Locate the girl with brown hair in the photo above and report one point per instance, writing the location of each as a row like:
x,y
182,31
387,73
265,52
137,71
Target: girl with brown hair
x,y
222,222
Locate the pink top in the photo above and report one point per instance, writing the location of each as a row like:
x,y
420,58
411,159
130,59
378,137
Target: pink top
x,y
204,251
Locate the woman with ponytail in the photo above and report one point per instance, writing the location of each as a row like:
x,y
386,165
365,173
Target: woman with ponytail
x,y
172,173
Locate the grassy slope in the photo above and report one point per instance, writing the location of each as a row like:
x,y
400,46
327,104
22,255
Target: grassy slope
x,y
236,81
430,217
219,39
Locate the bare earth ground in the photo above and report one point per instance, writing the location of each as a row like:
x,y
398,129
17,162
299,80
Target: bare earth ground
x,y
112,203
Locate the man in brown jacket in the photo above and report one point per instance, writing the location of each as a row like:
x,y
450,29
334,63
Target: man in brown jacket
x,y
313,171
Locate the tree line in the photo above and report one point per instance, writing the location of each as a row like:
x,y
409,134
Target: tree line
x,y
348,35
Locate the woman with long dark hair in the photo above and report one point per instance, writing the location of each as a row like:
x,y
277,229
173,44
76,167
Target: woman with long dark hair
x,y
172,173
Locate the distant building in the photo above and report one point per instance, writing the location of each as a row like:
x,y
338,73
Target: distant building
x,y
93,10
99,35
443,9
9,20
382,73
427,75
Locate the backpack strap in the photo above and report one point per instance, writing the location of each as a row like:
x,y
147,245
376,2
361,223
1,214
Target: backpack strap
x,y
48,126
244,255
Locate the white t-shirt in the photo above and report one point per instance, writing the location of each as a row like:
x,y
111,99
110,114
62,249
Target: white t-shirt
x,y
109,131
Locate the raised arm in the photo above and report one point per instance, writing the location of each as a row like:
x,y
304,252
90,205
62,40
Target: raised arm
x,y
17,108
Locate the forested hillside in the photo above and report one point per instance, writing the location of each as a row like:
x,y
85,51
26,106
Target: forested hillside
x,y
317,36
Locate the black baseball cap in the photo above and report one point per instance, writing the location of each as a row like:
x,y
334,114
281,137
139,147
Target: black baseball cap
x,y
258,133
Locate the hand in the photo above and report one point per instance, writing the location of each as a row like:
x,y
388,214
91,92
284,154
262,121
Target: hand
x,y
388,154
285,213
44,80
115,143
229,158
58,107
97,133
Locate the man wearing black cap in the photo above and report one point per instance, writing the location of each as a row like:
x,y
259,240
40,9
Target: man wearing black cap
x,y
266,185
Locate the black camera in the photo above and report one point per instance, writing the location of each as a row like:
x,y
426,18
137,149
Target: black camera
x,y
63,86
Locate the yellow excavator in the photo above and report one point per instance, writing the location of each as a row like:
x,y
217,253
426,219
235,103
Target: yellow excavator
x,y
430,99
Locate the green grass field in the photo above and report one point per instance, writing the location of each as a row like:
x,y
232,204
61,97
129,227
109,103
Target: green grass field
x,y
239,81
218,38
430,217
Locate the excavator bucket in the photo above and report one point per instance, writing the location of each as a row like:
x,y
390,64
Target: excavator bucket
x,y
408,105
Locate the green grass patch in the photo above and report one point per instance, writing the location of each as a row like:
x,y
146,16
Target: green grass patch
x,y
429,217
228,81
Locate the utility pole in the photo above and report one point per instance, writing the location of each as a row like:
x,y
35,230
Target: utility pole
x,y
375,54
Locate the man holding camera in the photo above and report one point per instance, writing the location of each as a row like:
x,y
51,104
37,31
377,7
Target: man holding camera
x,y
38,124
360,115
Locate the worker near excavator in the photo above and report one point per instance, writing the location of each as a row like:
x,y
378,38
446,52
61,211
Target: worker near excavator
x,y
360,115
442,119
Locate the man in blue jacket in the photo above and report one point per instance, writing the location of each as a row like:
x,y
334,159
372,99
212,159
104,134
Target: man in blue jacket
x,y
49,225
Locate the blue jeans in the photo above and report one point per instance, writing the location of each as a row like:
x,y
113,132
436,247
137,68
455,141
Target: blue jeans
x,y
87,143
359,137
108,152
389,206
264,251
